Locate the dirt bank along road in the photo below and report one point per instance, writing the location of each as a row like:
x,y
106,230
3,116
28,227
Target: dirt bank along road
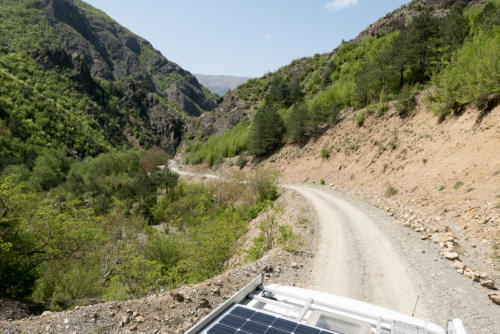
x,y
364,254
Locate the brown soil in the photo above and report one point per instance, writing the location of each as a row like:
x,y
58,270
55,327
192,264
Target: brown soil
x,y
11,309
444,175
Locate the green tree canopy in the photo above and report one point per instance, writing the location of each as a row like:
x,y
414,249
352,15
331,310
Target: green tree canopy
x,y
266,132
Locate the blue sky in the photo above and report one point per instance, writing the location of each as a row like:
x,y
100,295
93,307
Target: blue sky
x,y
244,37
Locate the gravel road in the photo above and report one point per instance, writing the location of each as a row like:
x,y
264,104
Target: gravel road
x,y
366,255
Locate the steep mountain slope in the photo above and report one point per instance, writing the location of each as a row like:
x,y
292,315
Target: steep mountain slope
x,y
220,84
406,114
422,44
153,95
322,71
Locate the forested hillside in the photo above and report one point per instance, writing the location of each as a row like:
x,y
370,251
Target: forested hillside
x,y
115,227
449,46
88,111
132,93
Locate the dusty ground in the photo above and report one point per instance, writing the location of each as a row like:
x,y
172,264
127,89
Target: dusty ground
x,y
165,312
364,253
446,177
367,255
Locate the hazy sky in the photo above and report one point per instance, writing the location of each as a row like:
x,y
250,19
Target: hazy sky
x,y
244,37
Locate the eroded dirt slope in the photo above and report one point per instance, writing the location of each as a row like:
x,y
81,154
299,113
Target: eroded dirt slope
x,y
435,177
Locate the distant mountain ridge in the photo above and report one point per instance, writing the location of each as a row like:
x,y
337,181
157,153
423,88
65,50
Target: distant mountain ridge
x,y
220,84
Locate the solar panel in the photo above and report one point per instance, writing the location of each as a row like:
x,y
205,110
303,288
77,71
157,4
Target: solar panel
x,y
241,320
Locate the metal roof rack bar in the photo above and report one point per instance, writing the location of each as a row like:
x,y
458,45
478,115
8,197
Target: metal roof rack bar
x,y
263,300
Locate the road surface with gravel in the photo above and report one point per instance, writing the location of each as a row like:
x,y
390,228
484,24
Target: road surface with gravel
x,y
366,255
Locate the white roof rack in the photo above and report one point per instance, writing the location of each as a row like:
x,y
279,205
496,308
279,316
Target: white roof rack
x,y
275,309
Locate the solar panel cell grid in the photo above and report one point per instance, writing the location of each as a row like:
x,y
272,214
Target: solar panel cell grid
x,y
221,329
301,329
254,327
245,321
263,318
242,312
275,331
285,325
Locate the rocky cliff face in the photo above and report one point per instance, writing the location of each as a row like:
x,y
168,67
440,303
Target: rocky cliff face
x,y
118,54
398,18
154,93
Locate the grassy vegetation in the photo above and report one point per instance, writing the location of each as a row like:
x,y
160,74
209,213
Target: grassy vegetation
x,y
43,109
266,239
325,152
393,143
288,240
390,190
230,144
360,118
116,227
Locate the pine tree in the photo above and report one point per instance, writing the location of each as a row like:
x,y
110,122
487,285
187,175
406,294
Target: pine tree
x,y
266,132
421,44
454,29
296,124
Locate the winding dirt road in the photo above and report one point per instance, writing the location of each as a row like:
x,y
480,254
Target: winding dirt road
x,y
355,258
364,254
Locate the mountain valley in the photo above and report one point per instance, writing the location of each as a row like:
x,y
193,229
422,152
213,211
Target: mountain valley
x,y
111,223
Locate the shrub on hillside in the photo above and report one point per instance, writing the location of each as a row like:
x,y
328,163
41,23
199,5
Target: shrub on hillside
x,y
390,190
406,102
264,184
325,153
50,169
242,160
360,118
472,74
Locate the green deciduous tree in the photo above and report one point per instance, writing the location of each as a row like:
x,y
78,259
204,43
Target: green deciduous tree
x,y
473,74
50,169
18,252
